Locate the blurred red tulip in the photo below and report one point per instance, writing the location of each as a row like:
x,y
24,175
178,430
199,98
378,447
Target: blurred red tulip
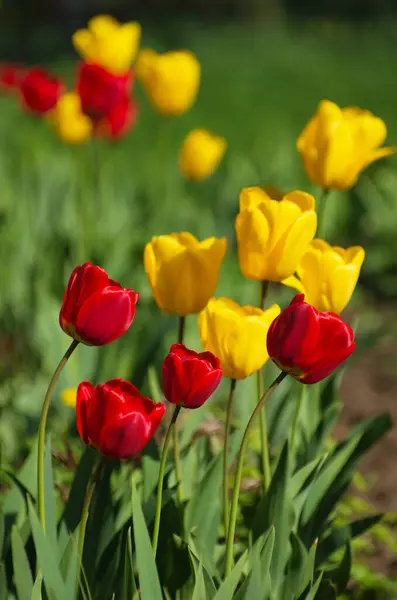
x,y
102,92
308,344
115,419
40,91
96,310
10,77
189,378
119,121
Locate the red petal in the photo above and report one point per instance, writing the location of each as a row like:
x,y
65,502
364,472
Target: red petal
x,y
85,394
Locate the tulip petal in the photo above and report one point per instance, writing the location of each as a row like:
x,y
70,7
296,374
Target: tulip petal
x,y
253,234
290,249
85,394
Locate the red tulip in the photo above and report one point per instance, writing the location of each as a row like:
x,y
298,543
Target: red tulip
x,y
96,310
189,378
114,418
119,121
308,344
10,77
40,92
101,91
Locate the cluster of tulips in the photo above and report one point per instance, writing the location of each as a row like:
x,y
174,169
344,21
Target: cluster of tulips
x,y
276,240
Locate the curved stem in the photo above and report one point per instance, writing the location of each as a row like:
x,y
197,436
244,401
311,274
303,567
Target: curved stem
x,y
164,453
226,454
296,417
42,427
86,507
321,211
239,472
265,459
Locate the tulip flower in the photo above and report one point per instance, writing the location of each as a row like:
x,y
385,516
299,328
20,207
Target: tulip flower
x,y
170,80
115,418
328,275
308,344
200,154
69,121
189,378
96,310
237,335
100,91
108,43
40,91
338,143
119,121
10,77
182,271
273,235
69,397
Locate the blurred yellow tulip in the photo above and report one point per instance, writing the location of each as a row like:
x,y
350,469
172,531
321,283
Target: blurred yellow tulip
x,y
200,154
108,43
69,397
337,144
237,335
170,80
273,235
182,271
328,275
68,120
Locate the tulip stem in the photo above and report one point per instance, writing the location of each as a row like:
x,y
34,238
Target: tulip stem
x,y
296,417
181,329
163,459
321,212
226,454
86,507
265,459
42,428
239,472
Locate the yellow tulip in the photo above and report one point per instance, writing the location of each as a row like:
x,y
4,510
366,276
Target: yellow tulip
x,y
108,43
200,154
273,235
170,80
68,120
182,271
337,144
237,335
69,397
328,275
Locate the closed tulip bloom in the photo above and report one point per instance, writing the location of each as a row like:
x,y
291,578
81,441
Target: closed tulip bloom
x,y
115,419
327,275
182,271
108,43
68,120
189,378
338,143
96,310
171,80
200,154
273,235
40,91
237,335
69,397
10,77
100,91
307,344
119,121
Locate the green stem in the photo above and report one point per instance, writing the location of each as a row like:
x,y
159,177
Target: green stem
x,y
296,417
321,212
226,454
181,329
239,472
86,507
164,453
264,439
42,428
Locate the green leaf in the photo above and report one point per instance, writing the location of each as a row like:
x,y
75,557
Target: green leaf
x,y
312,593
199,592
228,587
46,558
36,592
258,584
2,531
22,574
340,574
72,513
3,583
147,571
295,567
208,581
129,586
49,497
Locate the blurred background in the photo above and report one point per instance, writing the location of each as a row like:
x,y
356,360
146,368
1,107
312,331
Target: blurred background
x,y
265,66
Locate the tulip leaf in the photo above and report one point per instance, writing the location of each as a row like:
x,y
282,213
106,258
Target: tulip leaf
x,y
340,574
208,580
311,593
228,587
74,506
258,583
129,585
199,592
147,571
49,497
22,573
36,591
3,583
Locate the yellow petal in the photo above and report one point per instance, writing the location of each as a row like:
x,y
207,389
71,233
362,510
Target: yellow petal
x,y
69,397
200,154
253,232
251,197
82,41
295,283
